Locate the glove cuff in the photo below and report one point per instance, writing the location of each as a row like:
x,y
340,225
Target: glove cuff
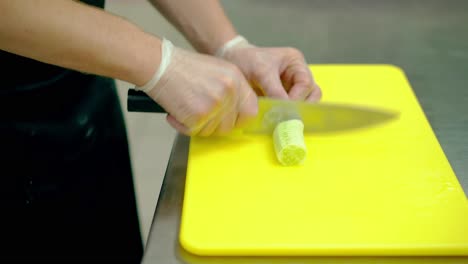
x,y
167,49
238,41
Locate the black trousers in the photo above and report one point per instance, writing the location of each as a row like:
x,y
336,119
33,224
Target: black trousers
x,y
66,188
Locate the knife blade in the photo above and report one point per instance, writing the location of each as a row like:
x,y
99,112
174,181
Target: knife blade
x,y
319,117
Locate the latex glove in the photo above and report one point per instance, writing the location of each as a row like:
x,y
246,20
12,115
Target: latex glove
x,y
203,95
274,72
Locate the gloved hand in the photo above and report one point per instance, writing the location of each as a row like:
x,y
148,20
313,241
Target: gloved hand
x,y
203,95
273,72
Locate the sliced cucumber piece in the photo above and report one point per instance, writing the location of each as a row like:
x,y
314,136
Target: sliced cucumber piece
x,y
288,139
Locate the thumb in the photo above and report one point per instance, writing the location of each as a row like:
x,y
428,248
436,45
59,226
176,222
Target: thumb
x,y
271,85
177,125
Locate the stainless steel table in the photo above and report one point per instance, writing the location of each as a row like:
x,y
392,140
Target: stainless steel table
x,y
428,39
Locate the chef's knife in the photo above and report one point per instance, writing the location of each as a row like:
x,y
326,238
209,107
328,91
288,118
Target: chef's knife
x,y
317,117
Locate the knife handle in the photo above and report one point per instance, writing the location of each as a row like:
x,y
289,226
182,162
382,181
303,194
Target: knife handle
x,y
138,101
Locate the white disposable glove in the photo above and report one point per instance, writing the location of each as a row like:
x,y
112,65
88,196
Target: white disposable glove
x,y
274,72
203,95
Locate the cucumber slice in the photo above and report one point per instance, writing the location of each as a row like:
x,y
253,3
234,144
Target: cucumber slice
x,y
288,138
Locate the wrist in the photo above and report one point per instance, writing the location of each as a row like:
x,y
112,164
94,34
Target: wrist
x,y
146,61
221,39
166,52
236,42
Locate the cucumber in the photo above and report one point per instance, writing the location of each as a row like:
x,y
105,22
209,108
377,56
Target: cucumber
x,y
288,139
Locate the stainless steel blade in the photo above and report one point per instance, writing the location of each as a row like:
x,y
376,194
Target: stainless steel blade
x,y
317,117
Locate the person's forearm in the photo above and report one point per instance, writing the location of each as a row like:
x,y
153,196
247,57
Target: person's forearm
x,y
202,22
76,36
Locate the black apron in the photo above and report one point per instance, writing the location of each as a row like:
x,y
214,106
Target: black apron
x,y
66,187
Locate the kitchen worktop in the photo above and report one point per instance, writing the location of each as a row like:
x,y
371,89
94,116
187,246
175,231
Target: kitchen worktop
x,y
427,39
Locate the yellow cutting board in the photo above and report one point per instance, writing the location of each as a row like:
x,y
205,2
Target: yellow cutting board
x,y
381,190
